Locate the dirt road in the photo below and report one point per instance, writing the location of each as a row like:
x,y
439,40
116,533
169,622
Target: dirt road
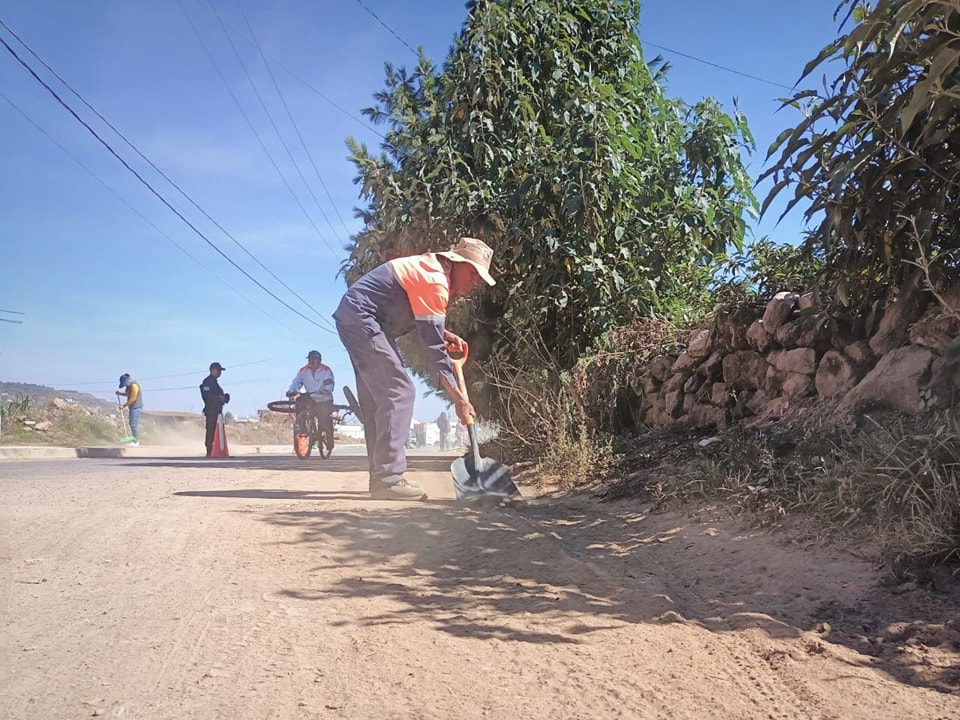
x,y
253,588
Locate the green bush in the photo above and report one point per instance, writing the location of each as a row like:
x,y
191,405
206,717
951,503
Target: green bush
x,y
762,270
548,134
877,152
13,408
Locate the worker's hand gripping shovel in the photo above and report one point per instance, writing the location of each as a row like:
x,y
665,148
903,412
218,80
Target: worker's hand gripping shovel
x,y
474,476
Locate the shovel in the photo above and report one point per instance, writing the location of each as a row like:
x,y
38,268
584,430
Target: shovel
x,y
474,476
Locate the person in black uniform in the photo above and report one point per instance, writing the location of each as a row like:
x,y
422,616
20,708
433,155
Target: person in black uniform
x,y
214,398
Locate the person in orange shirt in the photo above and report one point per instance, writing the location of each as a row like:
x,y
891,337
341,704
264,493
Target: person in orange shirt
x,y
404,295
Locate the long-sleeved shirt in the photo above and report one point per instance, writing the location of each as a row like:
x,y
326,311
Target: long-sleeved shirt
x,y
133,395
409,293
213,396
317,383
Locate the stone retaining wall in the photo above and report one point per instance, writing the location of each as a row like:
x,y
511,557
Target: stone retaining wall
x,y
753,366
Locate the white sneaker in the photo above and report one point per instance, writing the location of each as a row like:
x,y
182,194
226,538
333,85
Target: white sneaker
x,y
402,490
133,444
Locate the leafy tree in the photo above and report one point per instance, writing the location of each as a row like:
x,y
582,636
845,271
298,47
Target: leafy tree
x,y
878,149
547,134
764,269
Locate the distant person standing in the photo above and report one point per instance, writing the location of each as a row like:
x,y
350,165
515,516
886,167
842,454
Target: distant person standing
x,y
214,398
130,389
443,425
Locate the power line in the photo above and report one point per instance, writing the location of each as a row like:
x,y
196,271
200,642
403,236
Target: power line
x,y
167,377
388,28
159,171
276,129
309,86
647,42
229,384
150,187
134,209
324,97
154,166
718,66
12,322
293,122
254,130
12,312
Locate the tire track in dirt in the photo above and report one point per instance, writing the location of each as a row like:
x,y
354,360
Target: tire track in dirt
x,y
762,669
741,670
188,627
370,560
801,664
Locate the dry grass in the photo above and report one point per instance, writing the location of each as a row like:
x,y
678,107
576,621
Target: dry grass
x,y
603,380
891,481
542,423
68,429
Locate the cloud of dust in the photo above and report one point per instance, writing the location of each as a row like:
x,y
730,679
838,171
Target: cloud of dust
x,y
178,434
487,431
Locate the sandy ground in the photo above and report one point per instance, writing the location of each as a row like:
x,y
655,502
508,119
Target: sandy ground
x,y
263,587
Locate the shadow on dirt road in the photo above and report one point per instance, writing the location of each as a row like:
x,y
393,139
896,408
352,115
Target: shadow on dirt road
x,y
593,568
343,464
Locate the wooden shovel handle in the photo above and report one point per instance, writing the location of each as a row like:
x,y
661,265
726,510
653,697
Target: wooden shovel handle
x,y
458,364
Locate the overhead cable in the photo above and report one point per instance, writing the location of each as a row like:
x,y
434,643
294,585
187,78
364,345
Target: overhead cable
x,y
150,187
293,122
791,88
143,157
276,129
134,209
388,28
306,83
167,377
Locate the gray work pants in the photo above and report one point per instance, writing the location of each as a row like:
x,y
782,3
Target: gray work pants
x,y
386,395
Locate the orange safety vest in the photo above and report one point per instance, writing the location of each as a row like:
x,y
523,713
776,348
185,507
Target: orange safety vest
x,y
423,279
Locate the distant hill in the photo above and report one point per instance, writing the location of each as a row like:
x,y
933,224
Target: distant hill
x,y
41,394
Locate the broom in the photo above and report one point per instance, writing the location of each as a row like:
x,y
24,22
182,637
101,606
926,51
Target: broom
x,y
128,438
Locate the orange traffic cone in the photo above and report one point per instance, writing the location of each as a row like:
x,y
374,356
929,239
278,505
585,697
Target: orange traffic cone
x,y
220,440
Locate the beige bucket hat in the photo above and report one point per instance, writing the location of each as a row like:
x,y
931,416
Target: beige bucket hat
x,y
475,252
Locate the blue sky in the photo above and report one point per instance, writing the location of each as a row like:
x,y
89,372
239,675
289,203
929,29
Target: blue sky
x,y
105,293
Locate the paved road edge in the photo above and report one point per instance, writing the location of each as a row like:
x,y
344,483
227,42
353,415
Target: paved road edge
x,y
41,452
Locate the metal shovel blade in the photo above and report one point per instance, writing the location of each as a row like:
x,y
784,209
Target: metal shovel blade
x,y
476,477
491,479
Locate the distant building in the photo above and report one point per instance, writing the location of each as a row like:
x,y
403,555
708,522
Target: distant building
x,y
352,432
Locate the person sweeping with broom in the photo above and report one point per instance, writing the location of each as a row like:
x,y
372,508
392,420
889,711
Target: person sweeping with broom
x,y
400,296
130,389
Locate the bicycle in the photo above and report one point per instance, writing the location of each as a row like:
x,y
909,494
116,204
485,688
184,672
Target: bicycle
x,y
307,432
